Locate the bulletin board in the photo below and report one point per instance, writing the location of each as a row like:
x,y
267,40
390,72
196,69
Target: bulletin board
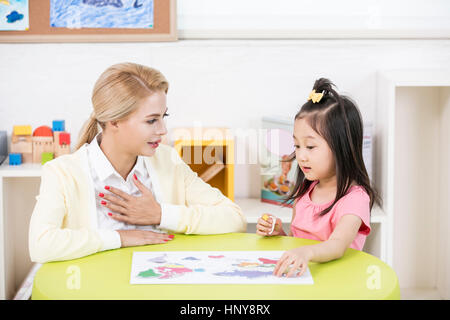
x,y
40,29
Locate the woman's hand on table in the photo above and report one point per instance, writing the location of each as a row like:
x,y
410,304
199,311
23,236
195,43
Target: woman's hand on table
x,y
264,226
142,210
131,238
292,260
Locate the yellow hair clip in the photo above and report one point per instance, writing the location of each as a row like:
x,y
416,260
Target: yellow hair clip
x,y
315,97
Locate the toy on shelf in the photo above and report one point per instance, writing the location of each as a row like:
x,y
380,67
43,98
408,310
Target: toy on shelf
x,y
21,142
42,142
15,159
43,145
46,156
62,143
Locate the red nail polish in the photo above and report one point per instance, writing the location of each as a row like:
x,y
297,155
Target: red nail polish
x,y
134,175
107,187
101,195
103,202
110,214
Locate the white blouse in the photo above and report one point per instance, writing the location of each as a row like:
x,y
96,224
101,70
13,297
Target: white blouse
x,y
103,174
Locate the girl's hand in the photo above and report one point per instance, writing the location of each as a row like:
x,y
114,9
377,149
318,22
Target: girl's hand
x,y
292,260
131,238
264,227
143,210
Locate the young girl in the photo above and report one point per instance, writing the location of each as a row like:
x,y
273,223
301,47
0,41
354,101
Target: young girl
x,y
332,196
121,187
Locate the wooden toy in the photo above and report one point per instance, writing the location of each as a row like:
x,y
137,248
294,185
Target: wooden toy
x,y
15,159
46,156
42,142
22,130
58,125
33,145
21,142
61,143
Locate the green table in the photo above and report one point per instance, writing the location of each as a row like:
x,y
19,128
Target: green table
x,y
106,275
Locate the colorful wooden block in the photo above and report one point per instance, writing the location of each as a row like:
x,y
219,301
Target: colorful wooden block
x,y
15,159
46,156
27,157
21,144
43,131
64,138
41,145
22,130
59,125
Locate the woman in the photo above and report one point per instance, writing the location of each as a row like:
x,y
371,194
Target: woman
x,y
121,187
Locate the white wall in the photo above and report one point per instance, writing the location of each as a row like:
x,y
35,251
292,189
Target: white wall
x,y
312,19
229,83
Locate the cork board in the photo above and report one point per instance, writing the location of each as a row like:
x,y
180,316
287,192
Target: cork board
x,y
164,27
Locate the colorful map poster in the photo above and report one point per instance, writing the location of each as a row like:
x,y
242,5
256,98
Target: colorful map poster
x,y
14,15
76,14
210,267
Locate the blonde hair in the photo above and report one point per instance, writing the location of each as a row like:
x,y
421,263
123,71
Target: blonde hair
x,y
116,94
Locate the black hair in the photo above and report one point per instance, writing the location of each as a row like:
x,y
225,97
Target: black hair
x,y
337,119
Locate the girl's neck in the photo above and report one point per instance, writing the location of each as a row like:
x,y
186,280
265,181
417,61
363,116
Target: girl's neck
x,y
328,183
121,161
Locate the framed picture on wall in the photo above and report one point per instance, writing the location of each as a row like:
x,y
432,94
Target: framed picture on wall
x,y
87,20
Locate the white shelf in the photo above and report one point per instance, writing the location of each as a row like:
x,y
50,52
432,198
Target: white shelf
x,y
23,170
253,208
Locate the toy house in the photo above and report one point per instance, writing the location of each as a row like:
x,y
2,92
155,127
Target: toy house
x,y
40,146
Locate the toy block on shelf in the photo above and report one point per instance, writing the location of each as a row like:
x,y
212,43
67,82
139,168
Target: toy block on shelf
x,y
21,142
15,159
42,142
22,130
21,139
58,125
46,156
62,143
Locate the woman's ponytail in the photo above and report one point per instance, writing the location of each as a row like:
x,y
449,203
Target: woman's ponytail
x,y
88,132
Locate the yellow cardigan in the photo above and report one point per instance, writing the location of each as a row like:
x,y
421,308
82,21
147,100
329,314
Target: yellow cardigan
x,y
63,225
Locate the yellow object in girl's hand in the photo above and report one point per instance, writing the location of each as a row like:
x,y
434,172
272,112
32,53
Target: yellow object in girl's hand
x,y
266,217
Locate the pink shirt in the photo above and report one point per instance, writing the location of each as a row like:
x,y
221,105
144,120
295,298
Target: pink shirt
x,y
308,224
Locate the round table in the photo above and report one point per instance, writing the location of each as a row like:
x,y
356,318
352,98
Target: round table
x,y
106,275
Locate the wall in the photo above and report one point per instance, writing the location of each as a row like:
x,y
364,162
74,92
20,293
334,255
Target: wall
x,y
212,83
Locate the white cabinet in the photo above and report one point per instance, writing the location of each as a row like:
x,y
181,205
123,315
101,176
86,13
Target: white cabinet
x,y
19,186
412,171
